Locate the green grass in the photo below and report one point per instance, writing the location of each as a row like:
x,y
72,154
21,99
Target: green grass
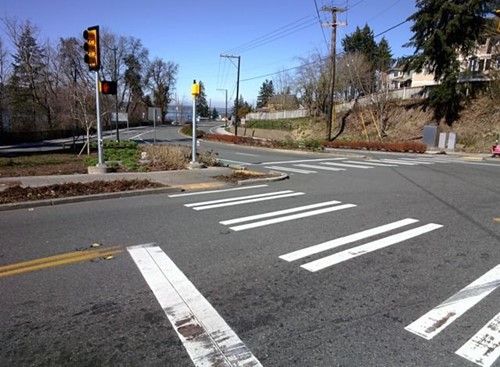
x,y
283,124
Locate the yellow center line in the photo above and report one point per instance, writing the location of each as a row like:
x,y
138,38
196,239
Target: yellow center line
x,y
57,260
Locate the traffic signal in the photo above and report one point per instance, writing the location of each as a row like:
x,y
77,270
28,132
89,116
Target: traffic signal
x,y
108,87
91,47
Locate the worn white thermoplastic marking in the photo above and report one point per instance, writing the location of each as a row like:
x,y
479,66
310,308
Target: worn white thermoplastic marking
x,y
215,191
437,319
299,254
286,169
237,198
319,167
395,161
207,338
368,247
346,165
483,348
291,217
279,212
304,161
248,201
374,164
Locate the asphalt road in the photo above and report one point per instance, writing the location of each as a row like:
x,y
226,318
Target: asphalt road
x,y
337,266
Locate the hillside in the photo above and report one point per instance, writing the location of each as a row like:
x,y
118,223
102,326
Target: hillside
x,y
476,129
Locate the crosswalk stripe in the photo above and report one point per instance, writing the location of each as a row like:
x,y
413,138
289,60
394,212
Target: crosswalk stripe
x,y
484,347
346,165
345,255
232,203
436,320
419,161
303,161
279,212
291,217
375,164
289,169
208,339
395,161
216,191
329,245
237,198
320,167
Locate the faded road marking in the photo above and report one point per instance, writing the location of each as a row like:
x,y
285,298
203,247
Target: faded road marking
x,y
207,338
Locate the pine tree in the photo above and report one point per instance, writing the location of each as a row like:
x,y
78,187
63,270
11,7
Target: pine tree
x,y
265,94
202,108
443,30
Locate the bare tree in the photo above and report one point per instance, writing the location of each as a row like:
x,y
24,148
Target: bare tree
x,y
311,84
162,77
4,77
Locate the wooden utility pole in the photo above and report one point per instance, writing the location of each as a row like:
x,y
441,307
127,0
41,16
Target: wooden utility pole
x,y
333,55
237,92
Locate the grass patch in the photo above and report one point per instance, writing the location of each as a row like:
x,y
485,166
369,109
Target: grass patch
x,y
282,124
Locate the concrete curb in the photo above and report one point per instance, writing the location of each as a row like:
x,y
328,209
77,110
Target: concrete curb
x,y
281,176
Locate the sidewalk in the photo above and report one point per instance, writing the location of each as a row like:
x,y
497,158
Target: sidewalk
x,y
171,178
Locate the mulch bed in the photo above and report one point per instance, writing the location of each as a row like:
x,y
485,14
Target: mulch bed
x,y
14,194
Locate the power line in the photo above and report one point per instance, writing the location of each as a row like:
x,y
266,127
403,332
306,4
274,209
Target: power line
x,y
390,29
277,34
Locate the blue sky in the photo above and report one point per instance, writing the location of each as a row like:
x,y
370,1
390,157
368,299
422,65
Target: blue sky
x,y
269,35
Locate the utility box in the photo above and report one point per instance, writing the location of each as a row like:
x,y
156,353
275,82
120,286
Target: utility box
x,y
431,136
452,141
442,140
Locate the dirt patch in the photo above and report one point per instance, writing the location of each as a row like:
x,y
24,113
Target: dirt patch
x,y
240,175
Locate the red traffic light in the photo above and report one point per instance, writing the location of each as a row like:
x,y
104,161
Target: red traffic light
x,y
108,87
91,47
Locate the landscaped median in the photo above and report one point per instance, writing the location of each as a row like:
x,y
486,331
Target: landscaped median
x,y
316,144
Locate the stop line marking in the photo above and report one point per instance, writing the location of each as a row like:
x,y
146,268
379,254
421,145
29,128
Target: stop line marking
x,y
208,339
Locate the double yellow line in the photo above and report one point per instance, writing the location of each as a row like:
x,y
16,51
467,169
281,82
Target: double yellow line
x,y
57,260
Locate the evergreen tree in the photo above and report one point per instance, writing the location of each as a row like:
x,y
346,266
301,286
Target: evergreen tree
x,y
363,41
443,30
265,94
202,108
384,55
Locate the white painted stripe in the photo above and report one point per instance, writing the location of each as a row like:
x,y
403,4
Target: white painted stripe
x,y
368,247
375,164
279,212
329,245
304,161
221,205
208,339
320,167
347,165
229,161
395,161
247,154
436,320
483,348
419,161
238,198
215,191
291,217
287,169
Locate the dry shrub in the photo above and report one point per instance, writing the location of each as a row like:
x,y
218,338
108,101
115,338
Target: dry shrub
x,y
166,157
405,146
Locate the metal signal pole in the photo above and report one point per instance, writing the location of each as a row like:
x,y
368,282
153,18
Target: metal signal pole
x,y
333,55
